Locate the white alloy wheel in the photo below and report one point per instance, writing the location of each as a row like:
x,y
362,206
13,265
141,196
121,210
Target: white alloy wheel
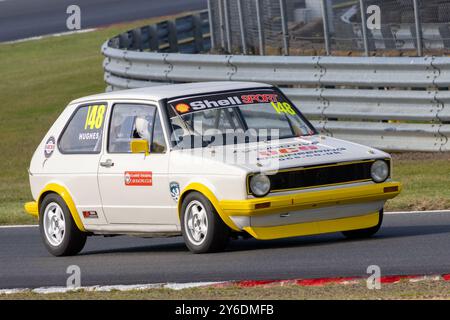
x,y
54,224
196,222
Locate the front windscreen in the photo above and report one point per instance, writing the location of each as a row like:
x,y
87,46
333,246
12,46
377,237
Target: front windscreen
x,y
252,113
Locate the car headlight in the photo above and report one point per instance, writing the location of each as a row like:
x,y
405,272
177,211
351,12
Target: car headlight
x,y
260,185
379,171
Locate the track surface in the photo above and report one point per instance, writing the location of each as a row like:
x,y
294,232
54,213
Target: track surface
x,y
406,244
28,18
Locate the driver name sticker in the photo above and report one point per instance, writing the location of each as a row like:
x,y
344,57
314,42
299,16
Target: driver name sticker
x,y
138,178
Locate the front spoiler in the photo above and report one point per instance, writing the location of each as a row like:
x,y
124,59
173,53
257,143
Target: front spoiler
x,y
317,227
312,200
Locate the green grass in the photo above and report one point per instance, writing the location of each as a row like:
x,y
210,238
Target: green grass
x,y
403,290
426,181
40,77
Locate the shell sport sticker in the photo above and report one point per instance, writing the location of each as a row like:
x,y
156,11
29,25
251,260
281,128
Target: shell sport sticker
x,y
138,178
198,103
174,188
49,147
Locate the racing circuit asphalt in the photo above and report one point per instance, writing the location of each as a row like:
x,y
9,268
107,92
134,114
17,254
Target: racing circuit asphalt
x,y
406,244
28,18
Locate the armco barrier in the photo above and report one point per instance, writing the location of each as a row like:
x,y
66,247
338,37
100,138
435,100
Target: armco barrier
x,y
397,104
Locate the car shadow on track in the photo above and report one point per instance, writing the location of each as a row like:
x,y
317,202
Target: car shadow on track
x,y
155,248
386,234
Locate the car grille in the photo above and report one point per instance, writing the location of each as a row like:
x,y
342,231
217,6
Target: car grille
x,y
324,175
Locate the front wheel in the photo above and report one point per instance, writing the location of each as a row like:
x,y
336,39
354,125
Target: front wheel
x,y
202,228
58,230
365,233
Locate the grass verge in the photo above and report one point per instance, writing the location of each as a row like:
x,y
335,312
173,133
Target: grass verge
x,y
425,177
40,77
403,290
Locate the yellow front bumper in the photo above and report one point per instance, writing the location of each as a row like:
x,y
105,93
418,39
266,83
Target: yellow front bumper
x,y
32,208
312,200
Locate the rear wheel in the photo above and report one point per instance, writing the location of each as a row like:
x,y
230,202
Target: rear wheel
x,y
365,233
58,230
202,228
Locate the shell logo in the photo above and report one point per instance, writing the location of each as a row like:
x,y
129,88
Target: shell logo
x,y
182,107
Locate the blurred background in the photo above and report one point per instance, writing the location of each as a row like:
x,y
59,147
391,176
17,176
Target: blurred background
x,y
318,27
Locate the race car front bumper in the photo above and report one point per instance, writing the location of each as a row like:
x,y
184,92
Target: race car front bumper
x,y
313,212
32,208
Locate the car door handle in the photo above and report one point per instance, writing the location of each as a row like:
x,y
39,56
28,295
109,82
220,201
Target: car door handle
x,y
108,163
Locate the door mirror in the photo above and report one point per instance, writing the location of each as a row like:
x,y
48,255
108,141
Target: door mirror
x,y
139,146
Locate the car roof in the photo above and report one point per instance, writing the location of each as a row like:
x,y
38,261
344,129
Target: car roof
x,y
156,93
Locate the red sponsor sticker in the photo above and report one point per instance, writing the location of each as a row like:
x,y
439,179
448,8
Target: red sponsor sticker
x,y
287,150
138,178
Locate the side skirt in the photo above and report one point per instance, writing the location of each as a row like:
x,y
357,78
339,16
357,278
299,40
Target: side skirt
x,y
135,230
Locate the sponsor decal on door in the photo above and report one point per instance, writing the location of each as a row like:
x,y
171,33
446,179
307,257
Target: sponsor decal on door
x,y
174,188
138,178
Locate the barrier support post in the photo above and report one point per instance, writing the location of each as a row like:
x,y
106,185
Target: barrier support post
x,y
326,27
211,24
418,23
284,27
364,27
260,27
242,27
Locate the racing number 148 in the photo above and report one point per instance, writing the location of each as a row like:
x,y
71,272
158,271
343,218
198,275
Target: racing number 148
x,y
283,107
94,118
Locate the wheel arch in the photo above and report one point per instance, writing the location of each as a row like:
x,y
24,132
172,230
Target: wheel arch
x,y
65,195
206,192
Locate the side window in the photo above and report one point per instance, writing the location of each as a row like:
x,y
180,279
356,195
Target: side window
x,y
133,121
83,133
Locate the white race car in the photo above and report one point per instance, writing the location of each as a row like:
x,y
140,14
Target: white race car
x,y
209,161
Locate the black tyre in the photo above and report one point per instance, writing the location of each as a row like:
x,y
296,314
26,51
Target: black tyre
x,y
202,228
59,233
365,233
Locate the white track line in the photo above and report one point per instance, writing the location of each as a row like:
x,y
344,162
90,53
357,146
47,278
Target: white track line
x,y
49,35
171,286
419,212
19,226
